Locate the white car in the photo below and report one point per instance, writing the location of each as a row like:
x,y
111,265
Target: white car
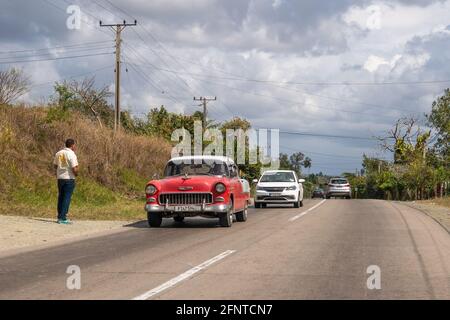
x,y
279,187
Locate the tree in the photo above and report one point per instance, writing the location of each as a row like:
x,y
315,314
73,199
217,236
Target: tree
x,y
439,120
13,84
85,97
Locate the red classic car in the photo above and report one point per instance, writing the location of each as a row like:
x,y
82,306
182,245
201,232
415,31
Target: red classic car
x,y
207,186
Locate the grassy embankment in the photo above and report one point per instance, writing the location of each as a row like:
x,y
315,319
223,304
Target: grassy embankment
x,y
113,170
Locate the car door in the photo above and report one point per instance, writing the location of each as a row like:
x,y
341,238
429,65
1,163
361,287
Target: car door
x,y
237,190
300,185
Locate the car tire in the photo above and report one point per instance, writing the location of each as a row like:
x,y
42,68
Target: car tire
x,y
297,204
264,205
242,216
301,204
257,205
328,197
154,219
178,219
226,219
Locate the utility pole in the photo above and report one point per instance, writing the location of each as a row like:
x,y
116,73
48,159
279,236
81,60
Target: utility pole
x,y
118,28
205,110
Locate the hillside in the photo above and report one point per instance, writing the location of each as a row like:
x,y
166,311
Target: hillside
x,y
113,174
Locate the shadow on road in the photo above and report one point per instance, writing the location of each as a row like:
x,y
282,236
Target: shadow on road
x,y
188,223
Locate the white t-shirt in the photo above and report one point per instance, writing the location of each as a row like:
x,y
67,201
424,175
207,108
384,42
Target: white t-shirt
x,y
66,160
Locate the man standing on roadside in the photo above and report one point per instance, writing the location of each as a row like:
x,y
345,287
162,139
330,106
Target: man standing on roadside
x,y
66,165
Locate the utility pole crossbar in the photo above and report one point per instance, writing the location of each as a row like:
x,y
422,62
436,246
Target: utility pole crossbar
x,y
118,28
205,111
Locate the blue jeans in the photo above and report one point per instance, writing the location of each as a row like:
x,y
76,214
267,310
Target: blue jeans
x,y
65,191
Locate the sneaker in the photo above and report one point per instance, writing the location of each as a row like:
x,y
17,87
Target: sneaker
x,y
67,221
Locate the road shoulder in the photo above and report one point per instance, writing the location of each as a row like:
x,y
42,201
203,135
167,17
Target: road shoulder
x,y
439,213
19,234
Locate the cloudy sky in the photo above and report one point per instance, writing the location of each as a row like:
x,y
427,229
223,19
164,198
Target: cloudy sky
x,y
336,68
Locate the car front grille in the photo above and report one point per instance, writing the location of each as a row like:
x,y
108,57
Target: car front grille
x,y
273,189
185,198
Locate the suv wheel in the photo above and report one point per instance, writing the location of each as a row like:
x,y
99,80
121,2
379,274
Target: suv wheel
x,y
154,219
257,205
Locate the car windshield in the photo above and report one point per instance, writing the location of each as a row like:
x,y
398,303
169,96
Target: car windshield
x,y
339,181
278,177
193,169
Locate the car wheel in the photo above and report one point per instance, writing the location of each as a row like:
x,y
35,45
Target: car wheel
x,y
297,204
154,219
226,219
264,205
301,203
257,205
242,216
328,197
178,219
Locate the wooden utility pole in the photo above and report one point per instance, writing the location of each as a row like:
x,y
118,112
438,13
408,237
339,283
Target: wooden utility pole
x,y
118,28
205,110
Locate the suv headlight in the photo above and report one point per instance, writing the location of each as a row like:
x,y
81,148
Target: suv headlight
x,y
293,188
220,188
150,190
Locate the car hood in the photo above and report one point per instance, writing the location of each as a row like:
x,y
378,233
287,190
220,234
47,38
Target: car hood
x,y
277,184
189,184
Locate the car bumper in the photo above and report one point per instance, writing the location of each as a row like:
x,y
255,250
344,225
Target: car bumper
x,y
339,192
283,197
206,210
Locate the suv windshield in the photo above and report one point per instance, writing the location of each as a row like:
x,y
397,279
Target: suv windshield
x,y
339,181
278,177
191,169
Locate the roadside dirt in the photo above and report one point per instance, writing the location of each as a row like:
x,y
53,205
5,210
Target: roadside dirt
x,y
20,232
440,213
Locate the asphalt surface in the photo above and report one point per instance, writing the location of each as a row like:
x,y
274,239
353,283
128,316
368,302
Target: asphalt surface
x,y
320,251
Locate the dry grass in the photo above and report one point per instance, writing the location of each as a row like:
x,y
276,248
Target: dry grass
x,y
442,202
114,169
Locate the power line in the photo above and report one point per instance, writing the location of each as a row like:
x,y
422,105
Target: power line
x,y
58,58
309,134
73,76
86,44
81,50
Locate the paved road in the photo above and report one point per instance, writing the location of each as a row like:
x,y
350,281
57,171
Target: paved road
x,y
279,253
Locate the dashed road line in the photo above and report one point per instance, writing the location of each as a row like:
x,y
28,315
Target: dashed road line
x,y
184,276
307,211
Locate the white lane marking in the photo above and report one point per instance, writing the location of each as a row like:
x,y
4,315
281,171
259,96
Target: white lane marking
x,y
183,276
307,211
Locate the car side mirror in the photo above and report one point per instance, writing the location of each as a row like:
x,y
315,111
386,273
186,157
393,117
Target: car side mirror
x,y
301,180
255,181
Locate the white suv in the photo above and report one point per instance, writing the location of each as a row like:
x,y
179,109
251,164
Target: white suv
x,y
279,187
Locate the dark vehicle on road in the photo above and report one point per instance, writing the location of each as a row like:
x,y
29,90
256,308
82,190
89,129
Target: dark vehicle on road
x,y
318,193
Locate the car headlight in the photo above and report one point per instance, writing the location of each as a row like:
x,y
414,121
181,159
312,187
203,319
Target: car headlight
x,y
220,188
293,188
150,190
